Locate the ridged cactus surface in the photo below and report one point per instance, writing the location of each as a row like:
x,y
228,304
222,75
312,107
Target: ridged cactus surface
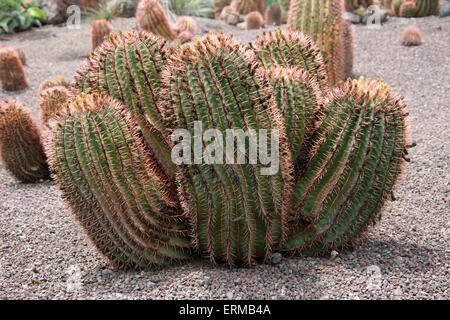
x,y
117,192
291,49
360,145
297,97
427,7
322,21
21,150
237,213
128,67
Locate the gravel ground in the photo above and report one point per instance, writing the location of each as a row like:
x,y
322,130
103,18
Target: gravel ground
x,y
45,255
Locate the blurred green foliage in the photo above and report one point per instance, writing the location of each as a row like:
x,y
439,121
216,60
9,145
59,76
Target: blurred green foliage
x,y
16,16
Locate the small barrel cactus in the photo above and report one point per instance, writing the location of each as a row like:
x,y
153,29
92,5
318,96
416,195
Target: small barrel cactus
x,y
411,36
117,192
151,17
99,29
273,15
291,49
22,55
21,150
185,23
254,20
12,75
51,102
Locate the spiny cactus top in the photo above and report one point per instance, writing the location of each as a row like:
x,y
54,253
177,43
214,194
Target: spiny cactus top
x,y
127,66
291,49
151,17
21,150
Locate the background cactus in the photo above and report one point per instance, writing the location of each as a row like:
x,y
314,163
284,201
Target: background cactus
x,y
348,49
360,145
351,5
273,15
322,21
20,53
411,36
237,213
21,150
244,6
128,67
119,195
185,23
51,102
407,9
12,75
427,7
290,49
99,29
91,4
151,17
55,82
219,5
229,15
254,20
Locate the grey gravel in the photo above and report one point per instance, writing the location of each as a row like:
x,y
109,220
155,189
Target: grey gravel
x,y
45,255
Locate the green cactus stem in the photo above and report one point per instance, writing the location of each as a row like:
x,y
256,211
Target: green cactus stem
x,y
127,67
360,146
237,212
116,191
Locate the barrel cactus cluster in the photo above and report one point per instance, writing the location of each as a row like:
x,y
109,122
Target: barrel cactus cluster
x,y
411,8
111,138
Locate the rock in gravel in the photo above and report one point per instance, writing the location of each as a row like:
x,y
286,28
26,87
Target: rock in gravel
x,y
444,10
334,254
352,17
276,258
56,11
106,272
123,8
375,16
229,295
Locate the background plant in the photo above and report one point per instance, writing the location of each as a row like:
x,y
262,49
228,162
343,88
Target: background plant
x,y
16,16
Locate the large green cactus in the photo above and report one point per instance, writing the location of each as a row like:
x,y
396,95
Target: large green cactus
x,y
117,192
128,66
237,213
291,49
322,21
427,7
360,144
21,150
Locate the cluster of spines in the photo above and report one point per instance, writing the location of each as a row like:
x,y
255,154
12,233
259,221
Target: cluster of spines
x,y
185,27
51,102
360,145
151,17
322,21
12,75
21,150
99,30
291,49
237,213
127,67
117,192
